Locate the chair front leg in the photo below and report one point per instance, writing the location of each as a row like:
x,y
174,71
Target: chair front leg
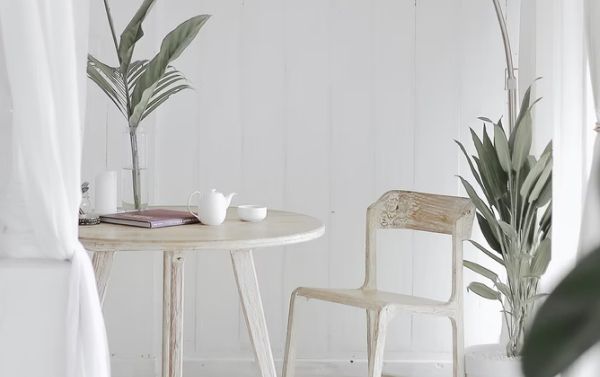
x,y
458,347
378,322
289,357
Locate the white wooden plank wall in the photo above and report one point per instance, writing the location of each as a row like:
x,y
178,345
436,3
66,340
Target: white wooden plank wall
x,y
317,106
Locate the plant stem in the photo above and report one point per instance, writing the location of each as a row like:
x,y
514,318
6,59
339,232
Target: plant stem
x,y
135,169
112,28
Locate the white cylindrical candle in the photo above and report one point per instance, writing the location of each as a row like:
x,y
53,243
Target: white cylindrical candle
x,y
106,192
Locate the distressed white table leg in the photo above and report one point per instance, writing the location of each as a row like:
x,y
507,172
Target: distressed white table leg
x,y
102,262
245,275
172,346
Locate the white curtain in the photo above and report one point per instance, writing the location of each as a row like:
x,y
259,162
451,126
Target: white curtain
x,y
589,240
555,33
44,43
590,225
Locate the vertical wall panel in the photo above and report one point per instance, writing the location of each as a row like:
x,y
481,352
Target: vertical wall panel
x,y
263,138
307,165
394,121
216,69
436,156
352,161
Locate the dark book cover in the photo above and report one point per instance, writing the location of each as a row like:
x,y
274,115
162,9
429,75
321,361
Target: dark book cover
x,y
150,218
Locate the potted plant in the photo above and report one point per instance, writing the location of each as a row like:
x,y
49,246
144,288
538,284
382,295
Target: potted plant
x,y
514,214
137,88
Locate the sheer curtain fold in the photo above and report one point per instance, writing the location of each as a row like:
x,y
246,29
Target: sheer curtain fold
x,y
590,237
45,60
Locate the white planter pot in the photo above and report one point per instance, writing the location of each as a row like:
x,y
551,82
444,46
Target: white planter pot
x,y
490,360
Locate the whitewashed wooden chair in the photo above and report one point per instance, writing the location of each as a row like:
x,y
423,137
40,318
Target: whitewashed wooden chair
x,y
400,210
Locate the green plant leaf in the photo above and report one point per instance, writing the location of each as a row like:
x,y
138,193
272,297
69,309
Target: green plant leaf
x,y
536,297
170,79
479,204
487,252
472,167
508,230
505,290
163,97
107,79
546,219
488,166
168,85
546,195
484,291
501,144
541,183
477,268
541,258
488,234
492,168
524,109
522,142
488,120
172,46
133,32
567,323
533,176
108,72
135,71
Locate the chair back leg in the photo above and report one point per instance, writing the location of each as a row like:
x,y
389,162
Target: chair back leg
x,y
289,357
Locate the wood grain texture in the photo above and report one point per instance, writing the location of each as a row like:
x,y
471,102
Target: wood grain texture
x,y
102,262
172,342
245,276
289,354
378,324
401,210
279,228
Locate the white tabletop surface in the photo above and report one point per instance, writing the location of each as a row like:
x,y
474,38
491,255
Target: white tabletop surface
x,y
279,228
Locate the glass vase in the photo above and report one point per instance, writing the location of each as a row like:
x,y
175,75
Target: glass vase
x,y
134,172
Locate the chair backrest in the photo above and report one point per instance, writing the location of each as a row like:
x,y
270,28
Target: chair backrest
x,y
419,211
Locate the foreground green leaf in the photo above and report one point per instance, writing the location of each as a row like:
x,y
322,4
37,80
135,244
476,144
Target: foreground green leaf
x,y
567,324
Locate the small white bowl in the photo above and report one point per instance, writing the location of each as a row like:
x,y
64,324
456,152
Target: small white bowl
x,y
252,213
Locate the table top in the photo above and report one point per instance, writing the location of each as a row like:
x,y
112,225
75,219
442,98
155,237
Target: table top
x,y
279,228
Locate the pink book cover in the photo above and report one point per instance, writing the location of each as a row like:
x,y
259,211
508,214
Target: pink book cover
x,y
150,218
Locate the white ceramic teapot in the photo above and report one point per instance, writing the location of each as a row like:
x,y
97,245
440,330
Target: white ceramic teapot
x,y
212,207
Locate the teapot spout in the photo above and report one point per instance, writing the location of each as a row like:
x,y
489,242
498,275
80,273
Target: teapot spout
x,y
229,197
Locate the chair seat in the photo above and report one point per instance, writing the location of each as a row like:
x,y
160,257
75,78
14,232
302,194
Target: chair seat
x,y
375,299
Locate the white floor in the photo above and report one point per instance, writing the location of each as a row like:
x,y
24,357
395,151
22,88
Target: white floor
x,y
228,368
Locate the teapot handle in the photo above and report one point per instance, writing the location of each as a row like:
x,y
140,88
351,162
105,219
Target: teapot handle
x,y
190,203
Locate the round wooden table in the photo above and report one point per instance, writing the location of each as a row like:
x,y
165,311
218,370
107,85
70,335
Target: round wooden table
x,y
235,236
